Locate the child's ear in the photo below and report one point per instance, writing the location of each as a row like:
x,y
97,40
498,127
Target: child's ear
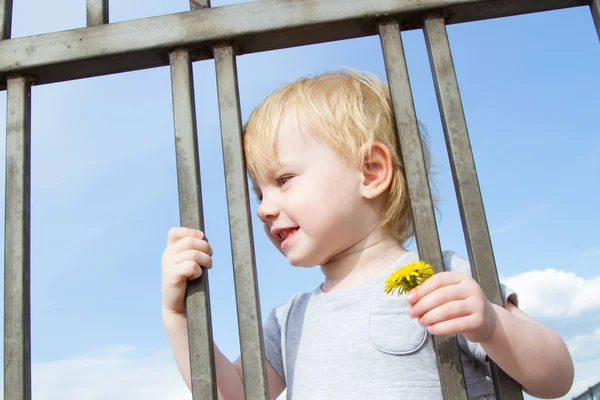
x,y
377,171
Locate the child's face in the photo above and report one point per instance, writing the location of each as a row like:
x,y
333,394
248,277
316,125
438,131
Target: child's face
x,y
311,206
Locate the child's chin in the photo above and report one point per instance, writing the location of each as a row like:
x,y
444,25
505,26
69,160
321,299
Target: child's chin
x,y
300,262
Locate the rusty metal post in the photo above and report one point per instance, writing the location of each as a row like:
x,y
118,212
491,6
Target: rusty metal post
x,y
202,365
446,346
466,184
17,323
5,19
96,12
240,226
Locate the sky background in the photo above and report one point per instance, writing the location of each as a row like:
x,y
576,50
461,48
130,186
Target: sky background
x,y
104,190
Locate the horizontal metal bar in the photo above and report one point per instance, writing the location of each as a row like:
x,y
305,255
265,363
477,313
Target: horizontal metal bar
x,y
17,323
190,205
446,346
470,203
242,243
252,27
96,12
5,18
595,6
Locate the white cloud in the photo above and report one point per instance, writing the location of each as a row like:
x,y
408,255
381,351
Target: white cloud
x,y
114,373
585,347
119,372
555,293
111,373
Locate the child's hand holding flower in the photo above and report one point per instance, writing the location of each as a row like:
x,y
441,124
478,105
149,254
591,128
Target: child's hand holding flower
x,y
453,303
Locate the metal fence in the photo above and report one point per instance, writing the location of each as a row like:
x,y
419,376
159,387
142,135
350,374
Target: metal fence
x,y
592,393
223,33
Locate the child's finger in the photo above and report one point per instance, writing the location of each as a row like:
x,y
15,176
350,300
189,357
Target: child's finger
x,y
452,310
451,326
437,298
201,258
180,232
189,269
435,282
190,243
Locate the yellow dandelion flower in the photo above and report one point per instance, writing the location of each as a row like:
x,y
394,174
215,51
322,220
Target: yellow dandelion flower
x,y
408,277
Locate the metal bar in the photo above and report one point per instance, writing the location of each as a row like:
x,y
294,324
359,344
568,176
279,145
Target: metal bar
x,y
202,362
595,7
97,12
17,323
252,26
5,19
589,393
199,4
470,203
242,243
446,346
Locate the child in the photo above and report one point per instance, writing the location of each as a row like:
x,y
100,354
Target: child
x,y
323,159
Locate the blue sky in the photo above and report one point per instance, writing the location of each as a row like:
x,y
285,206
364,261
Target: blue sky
x,y
104,189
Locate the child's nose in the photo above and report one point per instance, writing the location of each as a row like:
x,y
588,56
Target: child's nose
x,y
267,211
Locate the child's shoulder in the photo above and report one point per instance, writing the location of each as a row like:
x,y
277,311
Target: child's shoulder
x,y
455,262
282,311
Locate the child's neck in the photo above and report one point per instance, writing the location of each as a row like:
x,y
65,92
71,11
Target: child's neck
x,y
372,255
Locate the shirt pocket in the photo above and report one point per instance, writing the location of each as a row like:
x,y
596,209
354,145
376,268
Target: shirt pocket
x,y
391,329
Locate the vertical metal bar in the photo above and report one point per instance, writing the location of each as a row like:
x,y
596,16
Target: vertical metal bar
x,y
242,244
202,364
446,346
595,7
96,12
17,323
5,19
466,184
199,4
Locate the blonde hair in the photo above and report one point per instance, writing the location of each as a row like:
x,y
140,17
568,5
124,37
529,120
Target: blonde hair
x,y
346,110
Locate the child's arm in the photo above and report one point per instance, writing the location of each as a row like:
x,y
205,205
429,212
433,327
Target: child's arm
x,y
531,353
187,251
229,381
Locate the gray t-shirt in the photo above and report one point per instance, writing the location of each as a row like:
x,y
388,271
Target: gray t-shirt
x,y
360,343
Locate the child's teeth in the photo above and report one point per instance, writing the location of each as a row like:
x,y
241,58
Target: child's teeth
x,y
283,234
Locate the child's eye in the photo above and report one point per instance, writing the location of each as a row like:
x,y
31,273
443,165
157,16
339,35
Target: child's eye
x,y
283,180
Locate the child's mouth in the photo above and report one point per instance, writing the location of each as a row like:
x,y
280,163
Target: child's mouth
x,y
287,236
